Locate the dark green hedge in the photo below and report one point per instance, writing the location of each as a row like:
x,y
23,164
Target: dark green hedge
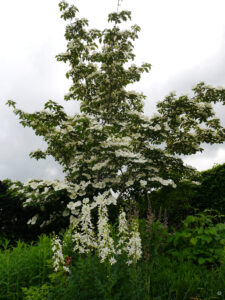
x,y
13,217
187,197
211,193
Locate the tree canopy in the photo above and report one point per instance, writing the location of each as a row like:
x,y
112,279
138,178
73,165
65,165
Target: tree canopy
x,y
111,147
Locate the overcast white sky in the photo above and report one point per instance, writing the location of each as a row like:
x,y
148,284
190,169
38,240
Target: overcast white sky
x,y
184,40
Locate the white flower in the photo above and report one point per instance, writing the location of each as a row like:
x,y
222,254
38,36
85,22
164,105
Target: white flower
x,y
129,183
143,182
59,186
65,213
123,233
86,200
34,185
112,260
100,185
33,220
196,182
73,205
46,190
157,127
74,221
28,200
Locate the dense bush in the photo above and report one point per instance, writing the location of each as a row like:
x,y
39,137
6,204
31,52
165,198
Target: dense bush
x,y
168,280
202,240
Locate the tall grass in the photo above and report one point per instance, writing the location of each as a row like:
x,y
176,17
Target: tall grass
x,y
168,280
23,266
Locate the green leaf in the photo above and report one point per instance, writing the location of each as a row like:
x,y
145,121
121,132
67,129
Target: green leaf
x,y
194,241
201,260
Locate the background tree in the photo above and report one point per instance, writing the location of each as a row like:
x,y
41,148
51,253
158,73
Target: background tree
x,y
111,146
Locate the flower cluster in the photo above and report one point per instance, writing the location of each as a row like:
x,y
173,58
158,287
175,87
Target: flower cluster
x,y
85,240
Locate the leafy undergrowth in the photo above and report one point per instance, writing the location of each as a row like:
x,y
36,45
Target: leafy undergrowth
x,y
26,271
23,266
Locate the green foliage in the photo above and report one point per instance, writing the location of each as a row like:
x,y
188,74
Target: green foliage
x,y
23,266
211,192
13,217
173,280
177,202
154,234
188,197
25,273
89,279
200,241
37,293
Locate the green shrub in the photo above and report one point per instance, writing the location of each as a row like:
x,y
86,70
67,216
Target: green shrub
x,y
38,293
154,234
200,241
175,280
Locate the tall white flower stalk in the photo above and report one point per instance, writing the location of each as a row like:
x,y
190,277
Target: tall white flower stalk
x,y
86,241
84,236
133,249
129,241
106,248
58,258
123,233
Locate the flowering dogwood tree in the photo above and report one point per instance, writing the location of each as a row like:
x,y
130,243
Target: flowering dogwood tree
x,y
111,147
